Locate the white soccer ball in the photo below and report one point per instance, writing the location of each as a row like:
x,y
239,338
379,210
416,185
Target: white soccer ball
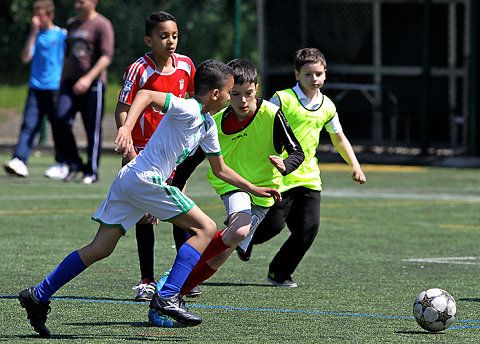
x,y
434,309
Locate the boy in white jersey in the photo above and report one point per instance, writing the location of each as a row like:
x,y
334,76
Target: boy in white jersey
x,y
140,186
308,111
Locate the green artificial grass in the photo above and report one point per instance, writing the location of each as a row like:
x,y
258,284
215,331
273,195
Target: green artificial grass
x,y
356,283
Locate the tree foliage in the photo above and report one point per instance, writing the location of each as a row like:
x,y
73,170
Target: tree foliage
x,y
206,30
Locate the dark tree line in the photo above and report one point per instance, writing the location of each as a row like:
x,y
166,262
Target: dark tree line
x,y
206,30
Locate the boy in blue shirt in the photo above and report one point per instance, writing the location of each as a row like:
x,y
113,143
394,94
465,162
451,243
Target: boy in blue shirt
x,y
45,49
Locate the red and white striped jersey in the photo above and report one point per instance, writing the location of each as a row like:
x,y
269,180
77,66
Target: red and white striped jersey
x,y
143,74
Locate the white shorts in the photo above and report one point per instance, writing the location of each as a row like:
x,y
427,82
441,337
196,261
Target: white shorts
x,y
240,202
134,193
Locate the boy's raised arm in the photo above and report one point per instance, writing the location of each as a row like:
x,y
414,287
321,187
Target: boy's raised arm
x,y
143,98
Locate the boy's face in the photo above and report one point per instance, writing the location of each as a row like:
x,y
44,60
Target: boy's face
x,y
42,18
164,39
311,76
220,97
242,99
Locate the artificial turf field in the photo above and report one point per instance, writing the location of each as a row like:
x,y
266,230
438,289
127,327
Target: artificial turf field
x,y
379,245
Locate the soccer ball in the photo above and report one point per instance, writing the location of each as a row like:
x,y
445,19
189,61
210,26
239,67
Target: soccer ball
x,y
434,310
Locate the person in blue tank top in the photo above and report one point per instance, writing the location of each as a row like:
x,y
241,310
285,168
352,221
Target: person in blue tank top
x,y
44,47
308,111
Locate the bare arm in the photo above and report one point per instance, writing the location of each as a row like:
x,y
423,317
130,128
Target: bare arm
x,y
225,173
26,55
120,115
143,98
345,149
83,84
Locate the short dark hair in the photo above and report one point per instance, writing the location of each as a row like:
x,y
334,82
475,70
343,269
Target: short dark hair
x,y
155,18
309,55
47,5
211,74
243,71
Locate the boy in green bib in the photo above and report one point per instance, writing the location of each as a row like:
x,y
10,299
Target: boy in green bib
x,y
308,111
252,133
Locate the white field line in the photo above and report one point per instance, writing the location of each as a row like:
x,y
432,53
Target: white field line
x,y
344,193
446,260
399,195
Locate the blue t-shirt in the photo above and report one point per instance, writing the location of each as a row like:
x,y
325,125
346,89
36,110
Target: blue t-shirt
x,y
47,60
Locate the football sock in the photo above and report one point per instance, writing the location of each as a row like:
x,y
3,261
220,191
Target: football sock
x,y
187,258
70,267
215,247
145,245
200,273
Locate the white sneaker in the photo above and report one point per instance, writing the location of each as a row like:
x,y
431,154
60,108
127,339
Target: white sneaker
x,y
57,171
89,179
17,167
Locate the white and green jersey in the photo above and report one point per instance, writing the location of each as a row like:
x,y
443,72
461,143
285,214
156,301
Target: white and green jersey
x,y
181,131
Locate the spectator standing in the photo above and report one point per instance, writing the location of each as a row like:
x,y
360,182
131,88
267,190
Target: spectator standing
x,y
90,45
44,47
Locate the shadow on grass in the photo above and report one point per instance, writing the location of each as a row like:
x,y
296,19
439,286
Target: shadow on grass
x,y
80,298
470,299
421,333
217,284
146,325
154,337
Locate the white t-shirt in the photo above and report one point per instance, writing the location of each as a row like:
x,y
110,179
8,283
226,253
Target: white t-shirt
x,y
333,126
181,131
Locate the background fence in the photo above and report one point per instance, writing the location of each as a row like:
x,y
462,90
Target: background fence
x,y
402,73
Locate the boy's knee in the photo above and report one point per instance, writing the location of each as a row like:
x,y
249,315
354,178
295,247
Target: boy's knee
x,y
233,235
210,228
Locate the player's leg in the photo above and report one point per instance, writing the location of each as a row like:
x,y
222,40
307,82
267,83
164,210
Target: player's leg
x,y
270,226
303,222
31,123
168,300
145,246
62,130
92,116
242,222
218,251
36,299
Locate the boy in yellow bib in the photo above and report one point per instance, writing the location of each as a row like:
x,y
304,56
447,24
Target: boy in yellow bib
x,y
252,133
308,111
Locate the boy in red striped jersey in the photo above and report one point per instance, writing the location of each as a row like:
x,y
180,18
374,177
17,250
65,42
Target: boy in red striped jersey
x,y
159,70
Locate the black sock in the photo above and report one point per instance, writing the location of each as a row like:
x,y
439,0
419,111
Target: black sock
x,y
145,245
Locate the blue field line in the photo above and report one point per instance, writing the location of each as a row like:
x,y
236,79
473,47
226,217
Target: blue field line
x,y
257,309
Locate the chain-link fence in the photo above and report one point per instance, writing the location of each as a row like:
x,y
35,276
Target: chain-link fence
x,y
398,71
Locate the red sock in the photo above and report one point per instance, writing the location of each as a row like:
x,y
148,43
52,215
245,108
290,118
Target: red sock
x,y
215,247
200,273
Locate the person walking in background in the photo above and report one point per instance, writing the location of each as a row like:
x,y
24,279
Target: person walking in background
x,y
159,70
44,47
308,111
90,45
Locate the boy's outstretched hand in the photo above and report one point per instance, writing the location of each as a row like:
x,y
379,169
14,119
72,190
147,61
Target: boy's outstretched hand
x,y
262,191
124,142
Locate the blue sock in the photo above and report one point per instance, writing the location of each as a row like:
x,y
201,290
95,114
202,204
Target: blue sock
x,y
70,267
187,258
